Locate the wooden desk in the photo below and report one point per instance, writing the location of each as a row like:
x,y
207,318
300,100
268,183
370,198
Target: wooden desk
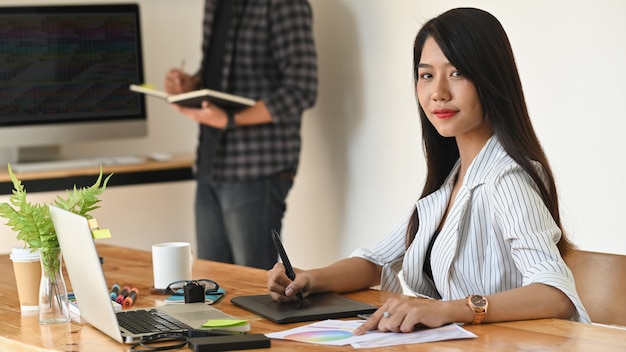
x,y
128,266
178,168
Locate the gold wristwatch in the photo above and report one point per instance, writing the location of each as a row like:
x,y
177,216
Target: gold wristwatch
x,y
478,304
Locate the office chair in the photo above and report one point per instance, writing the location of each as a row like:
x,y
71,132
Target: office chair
x,y
601,284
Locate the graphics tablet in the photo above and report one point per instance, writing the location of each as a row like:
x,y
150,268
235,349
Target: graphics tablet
x,y
315,307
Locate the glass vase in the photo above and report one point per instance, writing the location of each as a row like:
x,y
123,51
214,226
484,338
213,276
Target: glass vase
x,y
53,300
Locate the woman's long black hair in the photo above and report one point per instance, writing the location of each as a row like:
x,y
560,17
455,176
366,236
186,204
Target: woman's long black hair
x,y
476,44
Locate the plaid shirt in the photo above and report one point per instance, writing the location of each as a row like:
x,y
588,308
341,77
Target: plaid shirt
x,y
270,56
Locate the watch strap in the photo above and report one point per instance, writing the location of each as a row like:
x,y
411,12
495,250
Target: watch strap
x,y
231,120
479,311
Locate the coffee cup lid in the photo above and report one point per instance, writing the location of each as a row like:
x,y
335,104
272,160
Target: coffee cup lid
x,y
23,254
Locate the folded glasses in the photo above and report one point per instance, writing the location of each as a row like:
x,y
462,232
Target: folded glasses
x,y
177,288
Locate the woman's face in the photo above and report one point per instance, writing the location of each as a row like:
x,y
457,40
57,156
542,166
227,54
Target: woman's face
x,y
449,100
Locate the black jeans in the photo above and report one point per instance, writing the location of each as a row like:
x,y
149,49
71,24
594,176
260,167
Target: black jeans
x,y
234,219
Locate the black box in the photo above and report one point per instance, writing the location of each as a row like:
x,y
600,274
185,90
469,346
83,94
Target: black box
x,y
229,343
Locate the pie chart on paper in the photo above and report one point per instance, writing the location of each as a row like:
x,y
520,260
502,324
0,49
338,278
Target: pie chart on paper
x,y
320,336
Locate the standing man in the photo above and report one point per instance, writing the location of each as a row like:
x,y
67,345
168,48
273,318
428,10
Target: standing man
x,y
247,159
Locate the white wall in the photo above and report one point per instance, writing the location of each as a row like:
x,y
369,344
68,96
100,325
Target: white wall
x,y
362,165
570,55
139,216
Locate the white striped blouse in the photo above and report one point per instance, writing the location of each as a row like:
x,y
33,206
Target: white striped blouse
x,y
498,236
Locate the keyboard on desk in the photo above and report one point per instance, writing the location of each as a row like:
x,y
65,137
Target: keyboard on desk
x,y
77,163
149,321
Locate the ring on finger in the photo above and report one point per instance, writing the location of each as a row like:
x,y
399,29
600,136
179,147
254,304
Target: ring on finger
x,y
386,315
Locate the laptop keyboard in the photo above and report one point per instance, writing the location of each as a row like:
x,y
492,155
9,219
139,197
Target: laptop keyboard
x,y
149,321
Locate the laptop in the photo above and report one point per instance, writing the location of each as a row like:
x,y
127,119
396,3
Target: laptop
x,y
85,273
321,306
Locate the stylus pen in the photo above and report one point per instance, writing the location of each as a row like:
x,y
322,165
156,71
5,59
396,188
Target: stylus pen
x,y
291,274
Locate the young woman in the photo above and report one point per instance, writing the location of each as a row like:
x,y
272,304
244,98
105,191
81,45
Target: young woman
x,y
484,242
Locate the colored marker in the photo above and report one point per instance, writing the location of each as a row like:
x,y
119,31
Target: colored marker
x,y
132,296
122,296
115,291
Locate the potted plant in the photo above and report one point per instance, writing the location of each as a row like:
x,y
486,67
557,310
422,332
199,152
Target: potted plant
x,y
33,225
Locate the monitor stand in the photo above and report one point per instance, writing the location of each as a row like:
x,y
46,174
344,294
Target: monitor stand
x,y
39,153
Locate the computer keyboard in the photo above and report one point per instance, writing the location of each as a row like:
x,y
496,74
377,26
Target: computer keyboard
x,y
77,163
149,321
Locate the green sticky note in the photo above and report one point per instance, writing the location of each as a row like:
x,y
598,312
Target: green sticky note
x,y
224,323
100,233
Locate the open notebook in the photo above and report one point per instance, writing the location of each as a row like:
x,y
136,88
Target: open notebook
x,y
88,283
195,98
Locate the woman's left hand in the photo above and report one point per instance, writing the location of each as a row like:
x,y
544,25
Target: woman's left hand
x,y
404,314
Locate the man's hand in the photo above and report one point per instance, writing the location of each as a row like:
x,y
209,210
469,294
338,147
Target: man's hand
x,y
208,114
177,81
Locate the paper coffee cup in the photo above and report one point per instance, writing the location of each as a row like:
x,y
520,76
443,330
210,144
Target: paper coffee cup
x,y
27,269
171,261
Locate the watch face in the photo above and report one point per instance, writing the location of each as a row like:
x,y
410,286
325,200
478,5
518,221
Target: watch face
x,y
479,301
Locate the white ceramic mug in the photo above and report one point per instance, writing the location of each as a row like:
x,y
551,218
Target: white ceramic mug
x,y
171,261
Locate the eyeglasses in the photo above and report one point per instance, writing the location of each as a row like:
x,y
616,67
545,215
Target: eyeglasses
x,y
177,288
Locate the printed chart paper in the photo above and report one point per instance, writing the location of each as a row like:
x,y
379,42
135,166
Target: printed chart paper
x,y
339,333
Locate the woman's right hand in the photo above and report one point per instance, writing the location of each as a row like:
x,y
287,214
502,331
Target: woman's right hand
x,y
282,289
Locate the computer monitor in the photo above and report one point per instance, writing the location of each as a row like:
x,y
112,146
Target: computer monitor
x,y
64,75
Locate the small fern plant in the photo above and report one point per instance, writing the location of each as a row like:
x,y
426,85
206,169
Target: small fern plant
x,y
32,222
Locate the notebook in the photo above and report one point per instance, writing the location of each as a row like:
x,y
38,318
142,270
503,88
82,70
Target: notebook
x,y
88,283
195,98
315,307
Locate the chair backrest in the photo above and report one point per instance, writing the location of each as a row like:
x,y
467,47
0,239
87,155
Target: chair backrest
x,y
601,284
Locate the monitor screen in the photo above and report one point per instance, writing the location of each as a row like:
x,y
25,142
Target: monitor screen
x,y
68,66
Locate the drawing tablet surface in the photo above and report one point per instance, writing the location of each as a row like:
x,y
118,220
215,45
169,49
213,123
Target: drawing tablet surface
x,y
315,307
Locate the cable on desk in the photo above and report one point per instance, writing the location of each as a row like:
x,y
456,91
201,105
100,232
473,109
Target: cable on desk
x,y
175,340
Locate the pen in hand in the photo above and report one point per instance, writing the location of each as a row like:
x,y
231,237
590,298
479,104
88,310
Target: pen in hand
x,y
291,274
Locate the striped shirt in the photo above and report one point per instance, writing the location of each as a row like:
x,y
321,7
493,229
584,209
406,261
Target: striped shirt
x,y
498,236
270,56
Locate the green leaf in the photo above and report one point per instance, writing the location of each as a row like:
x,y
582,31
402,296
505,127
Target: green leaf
x,y
32,222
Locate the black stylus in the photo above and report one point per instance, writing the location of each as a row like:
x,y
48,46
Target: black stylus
x,y
291,274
